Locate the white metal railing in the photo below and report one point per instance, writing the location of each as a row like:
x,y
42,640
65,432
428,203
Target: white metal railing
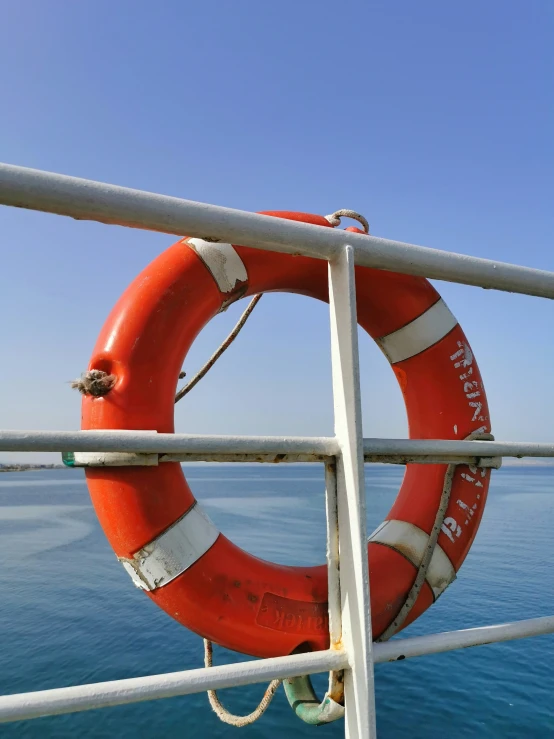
x,y
350,623
199,448
97,201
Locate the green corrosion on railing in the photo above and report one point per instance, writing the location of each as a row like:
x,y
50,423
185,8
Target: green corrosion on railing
x,y
306,705
68,458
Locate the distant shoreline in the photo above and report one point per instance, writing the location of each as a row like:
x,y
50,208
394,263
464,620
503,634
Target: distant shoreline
x,y
32,467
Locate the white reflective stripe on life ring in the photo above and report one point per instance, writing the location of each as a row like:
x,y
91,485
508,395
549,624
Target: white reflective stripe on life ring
x,y
173,551
411,541
222,260
418,335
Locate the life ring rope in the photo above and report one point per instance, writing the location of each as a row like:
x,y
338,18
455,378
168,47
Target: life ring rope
x,y
432,551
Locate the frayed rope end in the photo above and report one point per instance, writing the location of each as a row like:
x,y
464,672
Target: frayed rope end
x,y
95,382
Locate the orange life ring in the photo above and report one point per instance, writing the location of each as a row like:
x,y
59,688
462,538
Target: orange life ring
x,y
153,522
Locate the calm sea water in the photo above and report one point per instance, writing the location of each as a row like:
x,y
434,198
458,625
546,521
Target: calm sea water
x,y
70,615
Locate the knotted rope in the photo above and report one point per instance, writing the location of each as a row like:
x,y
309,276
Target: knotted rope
x,y
94,382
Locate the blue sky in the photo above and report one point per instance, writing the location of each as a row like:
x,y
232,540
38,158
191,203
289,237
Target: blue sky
x,y
433,119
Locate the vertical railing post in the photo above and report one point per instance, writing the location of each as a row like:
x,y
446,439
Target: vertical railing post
x,y
333,554
354,577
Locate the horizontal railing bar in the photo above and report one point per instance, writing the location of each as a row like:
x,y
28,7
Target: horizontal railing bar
x,y
130,459
195,447
453,448
151,442
417,646
132,690
479,461
246,457
402,459
22,706
96,201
